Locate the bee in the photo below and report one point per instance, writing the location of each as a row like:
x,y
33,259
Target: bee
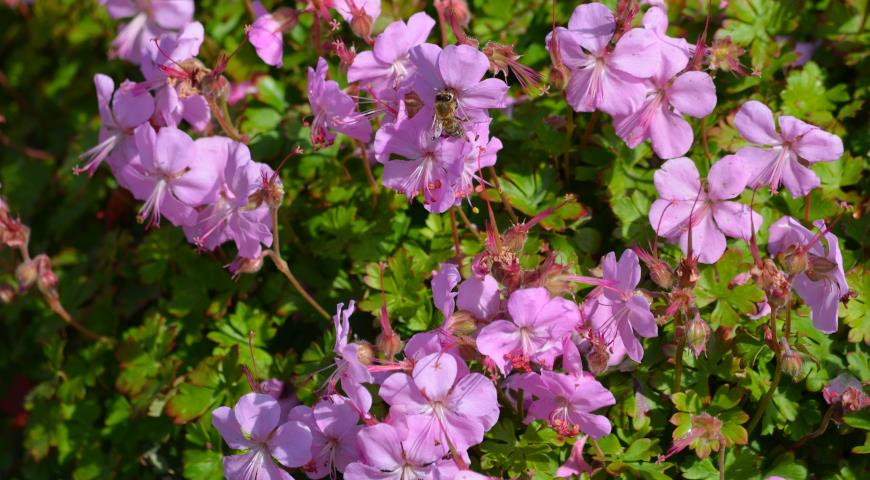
x,y
445,120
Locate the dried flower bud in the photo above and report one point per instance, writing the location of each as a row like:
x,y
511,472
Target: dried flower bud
x,y
46,280
724,55
365,352
389,344
687,273
659,271
698,332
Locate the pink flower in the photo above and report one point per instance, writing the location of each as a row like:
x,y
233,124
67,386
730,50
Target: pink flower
x,y
575,464
660,116
443,283
333,110
266,35
388,453
617,312
567,403
350,371
170,76
427,165
847,391
443,409
459,69
534,333
150,19
602,78
334,429
121,111
823,281
672,49
230,215
479,297
251,425
479,152
786,161
388,64
169,176
684,201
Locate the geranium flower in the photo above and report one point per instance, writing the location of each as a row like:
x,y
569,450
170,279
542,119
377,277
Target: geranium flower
x,y
602,78
460,69
333,110
427,165
451,411
170,75
121,111
684,201
169,176
265,34
230,215
847,391
566,402
444,281
790,153
333,425
822,283
251,425
150,19
350,371
388,64
660,116
616,311
534,333
479,152
387,453
575,464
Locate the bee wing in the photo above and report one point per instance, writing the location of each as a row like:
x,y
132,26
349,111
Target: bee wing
x,y
437,127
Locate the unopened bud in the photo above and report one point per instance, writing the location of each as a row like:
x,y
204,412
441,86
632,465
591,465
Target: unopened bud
x,y
461,323
26,274
559,76
515,238
792,363
698,332
7,294
455,11
660,273
795,260
243,265
389,344
597,359
361,25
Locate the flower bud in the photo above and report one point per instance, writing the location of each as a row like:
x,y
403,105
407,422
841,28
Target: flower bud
x,y
794,259
792,363
515,238
7,294
26,274
389,344
698,332
361,25
245,265
724,55
687,273
597,359
455,11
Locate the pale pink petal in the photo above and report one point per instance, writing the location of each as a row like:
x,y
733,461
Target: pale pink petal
x,y
490,93
670,134
758,163
693,93
628,269
727,178
172,14
641,318
823,298
798,179
224,420
667,217
435,374
596,426
291,444
636,53
497,339
708,242
755,122
818,145
479,297
593,24
632,345
174,150
380,446
524,305
678,179
258,414
462,66
793,129
734,219
475,396
131,106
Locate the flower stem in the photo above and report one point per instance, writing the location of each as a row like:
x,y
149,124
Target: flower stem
x,y
777,376
470,226
569,133
222,117
721,460
826,419
504,199
281,265
678,359
521,403
57,307
456,245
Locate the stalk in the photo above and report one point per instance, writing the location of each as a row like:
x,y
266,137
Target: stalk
x,y
777,376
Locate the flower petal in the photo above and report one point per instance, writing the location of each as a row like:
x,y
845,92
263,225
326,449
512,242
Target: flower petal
x,y
462,66
818,145
291,444
734,219
670,134
258,415
489,93
678,179
434,375
755,122
381,447
636,54
727,178
497,339
708,242
224,420
480,297
593,24
693,93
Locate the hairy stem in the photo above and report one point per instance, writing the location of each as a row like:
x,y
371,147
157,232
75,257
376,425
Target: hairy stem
x,y
826,419
281,265
504,199
678,359
470,226
721,460
774,383
57,307
222,116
